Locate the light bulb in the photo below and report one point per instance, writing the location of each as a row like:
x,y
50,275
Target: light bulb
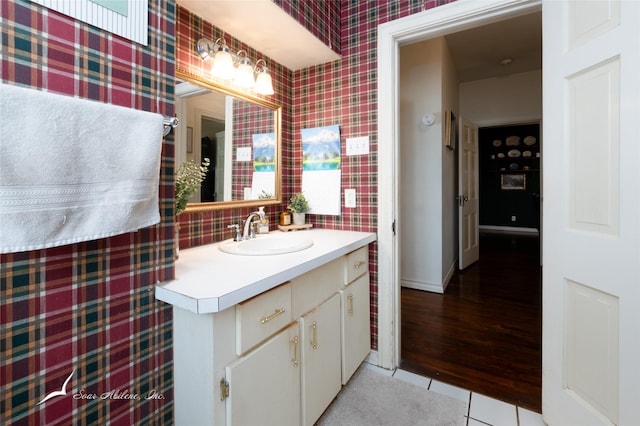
x,y
223,64
264,84
244,72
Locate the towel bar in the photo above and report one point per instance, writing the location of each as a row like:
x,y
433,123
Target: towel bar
x,y
169,123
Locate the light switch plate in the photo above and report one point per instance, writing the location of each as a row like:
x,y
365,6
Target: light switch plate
x,y
358,146
243,153
350,198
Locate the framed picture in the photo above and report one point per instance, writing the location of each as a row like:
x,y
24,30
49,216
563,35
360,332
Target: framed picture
x,y
189,139
513,181
126,18
450,129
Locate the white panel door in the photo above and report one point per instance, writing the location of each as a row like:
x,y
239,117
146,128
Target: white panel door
x,y
591,231
468,197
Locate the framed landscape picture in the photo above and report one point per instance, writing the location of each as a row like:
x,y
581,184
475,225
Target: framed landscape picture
x,y
513,182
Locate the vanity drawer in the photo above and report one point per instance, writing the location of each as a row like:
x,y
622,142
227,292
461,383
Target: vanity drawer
x,y
316,286
356,263
261,316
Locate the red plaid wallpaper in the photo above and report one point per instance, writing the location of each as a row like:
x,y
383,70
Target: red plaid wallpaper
x,y
86,312
252,119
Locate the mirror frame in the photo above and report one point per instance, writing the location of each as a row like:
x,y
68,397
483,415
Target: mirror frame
x,y
277,120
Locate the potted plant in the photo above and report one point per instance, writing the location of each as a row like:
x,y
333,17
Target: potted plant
x,y
188,178
298,206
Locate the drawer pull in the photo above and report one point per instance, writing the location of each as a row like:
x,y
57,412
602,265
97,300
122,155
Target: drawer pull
x,y
294,340
359,264
350,308
314,340
277,312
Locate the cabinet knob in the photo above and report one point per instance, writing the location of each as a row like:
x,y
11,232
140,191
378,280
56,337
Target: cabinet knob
x,y
359,264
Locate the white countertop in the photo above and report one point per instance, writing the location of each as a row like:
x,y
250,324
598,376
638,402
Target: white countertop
x,y
208,280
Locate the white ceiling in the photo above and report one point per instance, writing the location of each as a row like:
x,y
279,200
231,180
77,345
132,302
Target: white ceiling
x,y
476,52
262,25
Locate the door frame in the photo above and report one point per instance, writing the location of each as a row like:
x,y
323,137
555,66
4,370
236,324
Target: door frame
x,y
435,22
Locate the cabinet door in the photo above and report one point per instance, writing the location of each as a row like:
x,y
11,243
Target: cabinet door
x,y
356,333
264,385
320,358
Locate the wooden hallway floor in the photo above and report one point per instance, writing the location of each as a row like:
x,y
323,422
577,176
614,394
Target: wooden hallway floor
x,y
485,333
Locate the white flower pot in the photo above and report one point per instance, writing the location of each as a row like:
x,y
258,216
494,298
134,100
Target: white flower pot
x,y
299,218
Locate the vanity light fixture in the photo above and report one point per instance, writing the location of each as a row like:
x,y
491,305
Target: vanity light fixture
x,y
264,84
236,68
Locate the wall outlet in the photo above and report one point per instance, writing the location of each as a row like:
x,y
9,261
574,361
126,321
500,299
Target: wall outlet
x,y
350,198
513,218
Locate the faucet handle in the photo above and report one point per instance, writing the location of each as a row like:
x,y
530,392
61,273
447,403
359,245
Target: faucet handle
x,y
236,227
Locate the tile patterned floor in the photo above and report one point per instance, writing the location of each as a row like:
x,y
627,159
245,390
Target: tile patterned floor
x,y
481,410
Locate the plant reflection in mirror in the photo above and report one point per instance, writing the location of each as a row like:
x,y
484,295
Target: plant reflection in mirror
x,y
265,195
189,177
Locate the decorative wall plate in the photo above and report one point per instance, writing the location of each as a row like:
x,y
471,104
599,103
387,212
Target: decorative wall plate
x,y
497,143
513,141
500,155
514,153
530,140
526,154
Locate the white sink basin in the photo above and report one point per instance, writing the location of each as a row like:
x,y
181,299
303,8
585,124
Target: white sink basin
x,y
265,245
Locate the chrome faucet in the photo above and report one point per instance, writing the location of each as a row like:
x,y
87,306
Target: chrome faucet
x,y
248,231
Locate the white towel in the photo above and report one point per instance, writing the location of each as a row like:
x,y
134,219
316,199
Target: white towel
x,y
74,170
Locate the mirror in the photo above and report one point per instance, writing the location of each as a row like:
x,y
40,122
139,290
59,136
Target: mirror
x,y
239,133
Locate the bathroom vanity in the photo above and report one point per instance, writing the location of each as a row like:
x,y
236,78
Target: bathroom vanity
x,y
268,339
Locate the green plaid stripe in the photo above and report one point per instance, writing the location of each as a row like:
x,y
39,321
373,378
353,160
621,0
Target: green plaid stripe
x,y
89,306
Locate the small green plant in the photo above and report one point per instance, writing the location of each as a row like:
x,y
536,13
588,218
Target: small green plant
x,y
189,177
298,203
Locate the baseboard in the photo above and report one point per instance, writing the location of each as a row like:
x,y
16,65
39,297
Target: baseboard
x,y
508,229
416,285
447,279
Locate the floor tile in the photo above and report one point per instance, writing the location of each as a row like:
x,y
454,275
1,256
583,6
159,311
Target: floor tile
x,y
414,379
492,411
449,390
529,418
